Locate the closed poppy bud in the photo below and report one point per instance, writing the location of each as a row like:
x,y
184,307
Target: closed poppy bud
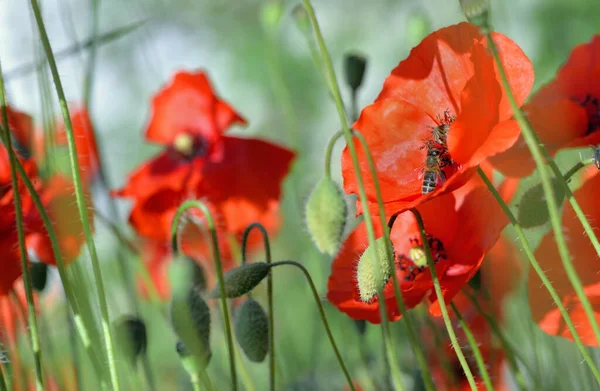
x,y
190,317
192,364
132,337
326,215
373,270
476,11
39,275
252,330
302,19
241,280
354,69
533,210
271,14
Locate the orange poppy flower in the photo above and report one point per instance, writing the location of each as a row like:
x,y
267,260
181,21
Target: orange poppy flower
x,y
445,97
565,113
585,261
459,238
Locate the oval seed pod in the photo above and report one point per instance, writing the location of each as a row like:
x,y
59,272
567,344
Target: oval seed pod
x,y
252,330
326,215
190,317
131,336
39,275
241,280
532,210
373,270
354,70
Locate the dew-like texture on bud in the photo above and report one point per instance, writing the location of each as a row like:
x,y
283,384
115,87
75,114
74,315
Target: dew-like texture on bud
x,y
373,270
532,209
241,280
354,70
190,317
326,216
39,275
476,11
252,330
132,337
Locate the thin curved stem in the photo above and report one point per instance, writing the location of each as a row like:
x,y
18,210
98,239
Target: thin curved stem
x,y
32,318
537,268
81,201
267,246
533,143
573,170
329,152
217,259
440,297
90,68
323,317
474,346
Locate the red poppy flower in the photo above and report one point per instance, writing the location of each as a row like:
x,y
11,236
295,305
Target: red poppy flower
x,y
585,261
448,82
565,113
459,237
21,127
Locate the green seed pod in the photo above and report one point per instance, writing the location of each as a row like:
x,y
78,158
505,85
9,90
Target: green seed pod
x,y
373,270
326,215
241,280
39,275
252,330
354,70
190,317
131,336
476,12
532,210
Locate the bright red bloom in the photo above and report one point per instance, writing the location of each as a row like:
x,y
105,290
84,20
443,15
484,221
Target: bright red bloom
x,y
585,261
565,113
448,79
459,238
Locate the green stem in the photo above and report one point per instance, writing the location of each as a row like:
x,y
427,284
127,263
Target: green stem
x,y
329,152
534,143
339,104
536,266
32,321
573,170
3,386
81,202
474,346
91,64
195,382
323,317
442,303
267,247
217,259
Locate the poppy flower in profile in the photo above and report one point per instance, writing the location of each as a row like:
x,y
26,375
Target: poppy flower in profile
x,y
459,237
585,261
444,100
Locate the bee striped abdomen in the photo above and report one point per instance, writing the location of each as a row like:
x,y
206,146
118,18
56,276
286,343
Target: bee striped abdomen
x,y
429,182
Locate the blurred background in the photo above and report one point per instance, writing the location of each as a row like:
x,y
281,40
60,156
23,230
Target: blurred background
x,y
265,70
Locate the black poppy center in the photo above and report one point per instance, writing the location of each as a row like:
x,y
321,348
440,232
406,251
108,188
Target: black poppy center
x,y
591,104
414,262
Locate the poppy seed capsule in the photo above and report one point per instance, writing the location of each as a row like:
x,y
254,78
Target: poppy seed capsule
x,y
532,210
190,317
241,280
326,216
354,69
252,330
476,12
373,270
39,275
132,337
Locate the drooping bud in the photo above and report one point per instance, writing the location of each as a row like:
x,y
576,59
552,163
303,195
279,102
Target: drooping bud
x,y
532,210
241,280
476,12
326,215
373,271
354,70
131,336
39,275
302,19
271,14
252,330
190,317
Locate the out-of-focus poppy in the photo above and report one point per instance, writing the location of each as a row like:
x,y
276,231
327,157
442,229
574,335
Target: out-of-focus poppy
x,y
459,238
585,261
445,97
565,113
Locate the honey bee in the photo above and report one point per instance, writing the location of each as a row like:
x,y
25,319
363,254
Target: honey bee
x,y
432,173
440,133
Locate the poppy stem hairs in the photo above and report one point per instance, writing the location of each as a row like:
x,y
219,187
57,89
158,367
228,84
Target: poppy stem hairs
x,y
217,259
32,321
533,144
536,266
81,202
267,247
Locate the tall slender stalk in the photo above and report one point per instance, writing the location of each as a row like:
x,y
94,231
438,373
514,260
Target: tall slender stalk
x,y
81,201
442,303
32,318
3,386
537,268
218,266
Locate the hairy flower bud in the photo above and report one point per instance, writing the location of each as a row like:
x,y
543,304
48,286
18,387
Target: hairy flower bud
x,y
373,270
241,280
190,317
252,330
326,215
131,336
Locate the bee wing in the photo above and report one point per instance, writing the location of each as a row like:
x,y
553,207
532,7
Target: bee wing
x,y
441,178
419,172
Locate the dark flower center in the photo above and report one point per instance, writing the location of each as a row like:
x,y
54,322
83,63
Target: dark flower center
x,y
591,104
415,262
190,146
